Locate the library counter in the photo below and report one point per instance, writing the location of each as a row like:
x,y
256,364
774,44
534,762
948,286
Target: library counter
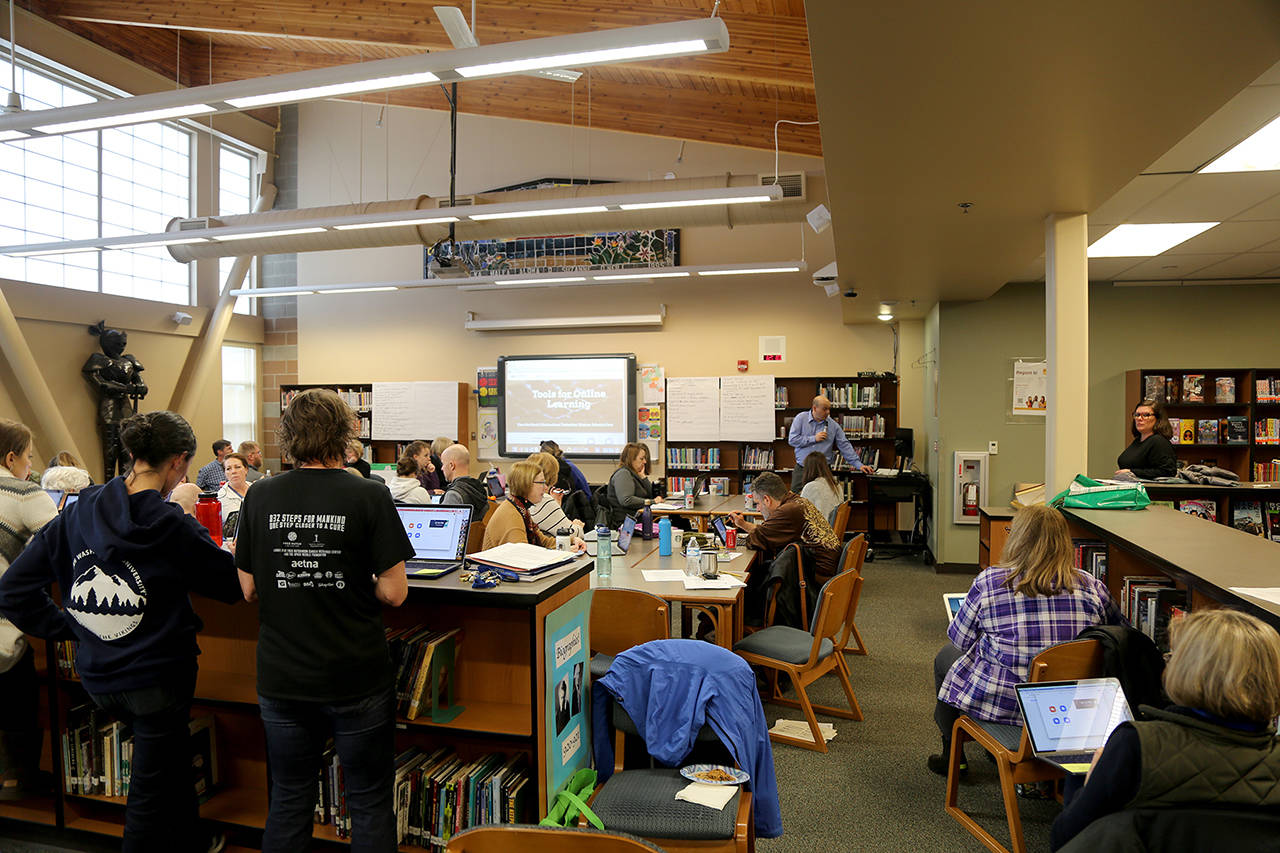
x,y
1207,558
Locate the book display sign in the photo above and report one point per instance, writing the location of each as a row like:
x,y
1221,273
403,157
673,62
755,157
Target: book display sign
x,y
1030,388
568,720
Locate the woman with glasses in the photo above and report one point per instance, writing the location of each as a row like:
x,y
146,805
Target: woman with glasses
x,y
512,520
1151,454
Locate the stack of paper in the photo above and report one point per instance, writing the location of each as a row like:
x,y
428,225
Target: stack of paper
x,y
725,581
800,729
703,794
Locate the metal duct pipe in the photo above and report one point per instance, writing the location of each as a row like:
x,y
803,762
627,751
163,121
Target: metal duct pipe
x,y
788,210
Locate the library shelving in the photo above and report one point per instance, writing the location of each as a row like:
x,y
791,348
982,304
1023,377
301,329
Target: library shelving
x,y
501,685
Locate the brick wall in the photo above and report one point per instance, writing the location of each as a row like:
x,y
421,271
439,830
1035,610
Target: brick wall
x,y
280,346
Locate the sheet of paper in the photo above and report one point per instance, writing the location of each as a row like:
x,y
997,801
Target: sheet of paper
x,y
746,408
703,794
663,575
1266,593
722,582
668,507
800,729
520,556
726,556
693,408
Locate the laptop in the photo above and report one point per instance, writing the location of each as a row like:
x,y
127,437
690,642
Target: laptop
x,y
70,499
700,487
952,601
620,539
1068,721
439,538
56,495
722,530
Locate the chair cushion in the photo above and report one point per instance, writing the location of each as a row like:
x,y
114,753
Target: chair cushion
x,y
643,802
1010,737
782,643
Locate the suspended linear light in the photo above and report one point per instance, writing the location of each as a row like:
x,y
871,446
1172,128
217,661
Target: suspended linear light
x,y
434,220
696,202
333,90
636,275
262,235
555,211
747,270
133,118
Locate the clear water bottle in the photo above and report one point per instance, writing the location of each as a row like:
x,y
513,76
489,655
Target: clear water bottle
x,y
604,554
693,559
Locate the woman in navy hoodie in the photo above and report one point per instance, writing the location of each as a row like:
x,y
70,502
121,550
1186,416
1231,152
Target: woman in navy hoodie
x,y
126,560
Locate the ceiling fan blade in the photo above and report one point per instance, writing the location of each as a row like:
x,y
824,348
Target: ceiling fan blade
x,y
455,26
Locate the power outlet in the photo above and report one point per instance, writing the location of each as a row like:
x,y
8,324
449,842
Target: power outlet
x,y
993,447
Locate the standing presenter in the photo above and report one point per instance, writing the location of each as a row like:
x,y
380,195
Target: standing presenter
x,y
815,431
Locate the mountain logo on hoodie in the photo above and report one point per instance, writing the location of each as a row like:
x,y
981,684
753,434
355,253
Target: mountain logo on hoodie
x,y
109,605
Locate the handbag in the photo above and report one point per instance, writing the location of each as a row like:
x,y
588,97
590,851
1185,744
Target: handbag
x,y
1084,493
572,800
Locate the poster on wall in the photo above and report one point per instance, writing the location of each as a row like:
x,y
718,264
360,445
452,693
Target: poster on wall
x,y
568,721
653,384
487,387
487,434
1030,387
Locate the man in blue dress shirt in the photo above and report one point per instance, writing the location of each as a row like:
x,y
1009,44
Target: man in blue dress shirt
x,y
815,431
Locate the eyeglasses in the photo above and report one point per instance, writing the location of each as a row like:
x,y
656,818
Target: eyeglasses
x,y
539,482
1143,415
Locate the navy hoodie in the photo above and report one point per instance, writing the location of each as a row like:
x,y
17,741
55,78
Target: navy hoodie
x,y
125,564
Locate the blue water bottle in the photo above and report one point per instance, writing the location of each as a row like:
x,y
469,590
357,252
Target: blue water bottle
x,y
664,537
604,553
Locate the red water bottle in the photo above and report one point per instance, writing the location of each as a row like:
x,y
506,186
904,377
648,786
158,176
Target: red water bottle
x,y
209,513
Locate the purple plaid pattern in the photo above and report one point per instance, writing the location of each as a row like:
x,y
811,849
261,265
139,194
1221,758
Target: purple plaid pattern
x,y
1000,631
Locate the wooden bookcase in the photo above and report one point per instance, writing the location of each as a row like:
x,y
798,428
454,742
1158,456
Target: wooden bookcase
x,y
501,684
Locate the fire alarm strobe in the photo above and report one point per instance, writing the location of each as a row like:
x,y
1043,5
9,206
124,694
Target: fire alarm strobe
x,y
742,365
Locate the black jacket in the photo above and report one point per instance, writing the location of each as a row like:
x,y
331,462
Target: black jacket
x,y
1131,656
468,491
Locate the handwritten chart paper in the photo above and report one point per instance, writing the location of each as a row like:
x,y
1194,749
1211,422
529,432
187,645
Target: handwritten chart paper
x,y
413,410
746,408
693,408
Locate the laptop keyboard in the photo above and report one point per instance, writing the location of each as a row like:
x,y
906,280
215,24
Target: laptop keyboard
x,y
1073,757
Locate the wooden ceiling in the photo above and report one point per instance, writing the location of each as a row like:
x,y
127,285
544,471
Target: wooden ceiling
x,y
732,98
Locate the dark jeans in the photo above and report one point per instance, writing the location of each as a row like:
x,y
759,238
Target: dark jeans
x,y
943,714
363,734
797,477
20,710
162,812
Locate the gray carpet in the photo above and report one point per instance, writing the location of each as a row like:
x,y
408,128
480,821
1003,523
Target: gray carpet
x,y
872,791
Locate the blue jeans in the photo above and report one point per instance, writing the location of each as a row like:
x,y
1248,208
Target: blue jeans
x,y
162,812
363,733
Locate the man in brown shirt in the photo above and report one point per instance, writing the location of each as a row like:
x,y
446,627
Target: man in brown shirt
x,y
789,518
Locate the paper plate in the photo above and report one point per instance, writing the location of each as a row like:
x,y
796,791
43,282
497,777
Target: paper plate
x,y
694,773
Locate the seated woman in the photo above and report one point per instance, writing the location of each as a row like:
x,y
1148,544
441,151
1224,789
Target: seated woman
x,y
547,513
405,486
512,521
1151,453
428,473
571,477
1216,745
353,457
820,487
231,495
630,488
1014,611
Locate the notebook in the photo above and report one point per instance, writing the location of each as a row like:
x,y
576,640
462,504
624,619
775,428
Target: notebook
x,y
1068,721
952,601
439,538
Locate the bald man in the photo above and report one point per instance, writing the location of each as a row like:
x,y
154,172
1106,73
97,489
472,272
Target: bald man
x,y
463,490
815,431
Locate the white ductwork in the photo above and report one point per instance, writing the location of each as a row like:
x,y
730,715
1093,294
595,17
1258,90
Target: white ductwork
x,y
785,210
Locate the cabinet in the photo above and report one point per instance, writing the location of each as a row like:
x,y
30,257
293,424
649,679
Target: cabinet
x,y
993,530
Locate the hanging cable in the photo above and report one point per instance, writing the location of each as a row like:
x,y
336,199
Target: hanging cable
x,y
775,142
14,104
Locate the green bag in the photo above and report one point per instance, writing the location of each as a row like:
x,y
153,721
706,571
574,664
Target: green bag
x,y
1084,493
571,800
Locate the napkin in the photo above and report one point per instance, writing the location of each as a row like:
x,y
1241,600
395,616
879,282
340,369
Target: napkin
x,y
703,794
800,729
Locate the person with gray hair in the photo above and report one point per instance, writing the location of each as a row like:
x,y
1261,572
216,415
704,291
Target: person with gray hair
x,y
455,464
789,518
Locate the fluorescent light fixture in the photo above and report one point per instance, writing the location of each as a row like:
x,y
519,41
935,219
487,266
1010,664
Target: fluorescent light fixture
x,y
749,270
884,316
677,38
395,223
355,290
1258,153
696,202
637,275
543,280
555,211
177,240
523,324
127,118
1143,241
260,235
376,84
33,253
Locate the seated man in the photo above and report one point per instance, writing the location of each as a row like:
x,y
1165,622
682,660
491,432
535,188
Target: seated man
x,y
464,490
788,518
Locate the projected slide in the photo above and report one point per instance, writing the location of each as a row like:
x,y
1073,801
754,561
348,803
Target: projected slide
x,y
586,404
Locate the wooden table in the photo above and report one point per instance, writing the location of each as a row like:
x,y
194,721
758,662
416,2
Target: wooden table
x,y
736,503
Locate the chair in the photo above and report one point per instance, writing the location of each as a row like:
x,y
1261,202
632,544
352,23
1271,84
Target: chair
x,y
851,559
840,520
1011,747
475,537
806,656
622,618
545,839
770,588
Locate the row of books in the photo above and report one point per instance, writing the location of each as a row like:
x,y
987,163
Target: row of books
x,y
64,655
705,458
1266,472
1266,431
1149,603
361,401
1268,390
850,396
413,651
1257,518
716,485
757,458
863,426
1091,556
781,399
868,455
1189,388
437,794
1229,430
97,754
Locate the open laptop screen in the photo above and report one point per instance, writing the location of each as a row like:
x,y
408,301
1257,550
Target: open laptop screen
x,y
1072,715
437,533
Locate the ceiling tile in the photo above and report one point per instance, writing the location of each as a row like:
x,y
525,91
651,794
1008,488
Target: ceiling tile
x,y
1270,78
1164,266
1106,269
1235,121
1268,209
1136,194
1213,197
1253,263
1229,237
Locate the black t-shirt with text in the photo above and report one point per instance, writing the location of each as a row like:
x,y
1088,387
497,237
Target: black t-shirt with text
x,y
313,538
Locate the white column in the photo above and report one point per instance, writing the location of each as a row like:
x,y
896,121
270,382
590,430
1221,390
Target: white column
x,y
1066,326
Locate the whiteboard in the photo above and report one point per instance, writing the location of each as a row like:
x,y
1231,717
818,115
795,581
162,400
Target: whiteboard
x,y
404,411
746,408
693,408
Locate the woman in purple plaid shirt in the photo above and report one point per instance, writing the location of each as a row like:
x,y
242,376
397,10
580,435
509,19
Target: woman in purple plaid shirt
x,y
1012,613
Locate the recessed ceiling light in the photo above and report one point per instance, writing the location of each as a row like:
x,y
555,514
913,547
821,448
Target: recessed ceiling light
x,y
1143,241
1258,153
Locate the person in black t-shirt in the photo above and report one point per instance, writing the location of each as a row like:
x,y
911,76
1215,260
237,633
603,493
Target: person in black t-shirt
x,y
322,551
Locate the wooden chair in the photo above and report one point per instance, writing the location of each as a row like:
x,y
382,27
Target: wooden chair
x,y
1010,746
841,522
807,656
622,618
545,839
475,537
851,560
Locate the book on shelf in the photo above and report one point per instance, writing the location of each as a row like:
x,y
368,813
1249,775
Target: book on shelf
x,y
1266,431
701,458
412,653
1224,389
1175,425
863,426
1173,389
1266,472
780,397
1273,521
720,486
1162,607
1091,557
1247,516
757,458
1237,429
1153,387
1207,431
1193,388
1267,390
1188,430
97,754
1206,508
850,396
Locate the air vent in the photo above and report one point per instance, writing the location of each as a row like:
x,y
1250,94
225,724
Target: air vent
x,y
199,224
792,183
463,201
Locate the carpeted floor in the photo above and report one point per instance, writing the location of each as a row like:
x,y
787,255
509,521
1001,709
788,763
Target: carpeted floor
x,y
871,791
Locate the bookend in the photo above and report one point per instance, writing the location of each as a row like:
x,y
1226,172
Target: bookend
x,y
442,669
